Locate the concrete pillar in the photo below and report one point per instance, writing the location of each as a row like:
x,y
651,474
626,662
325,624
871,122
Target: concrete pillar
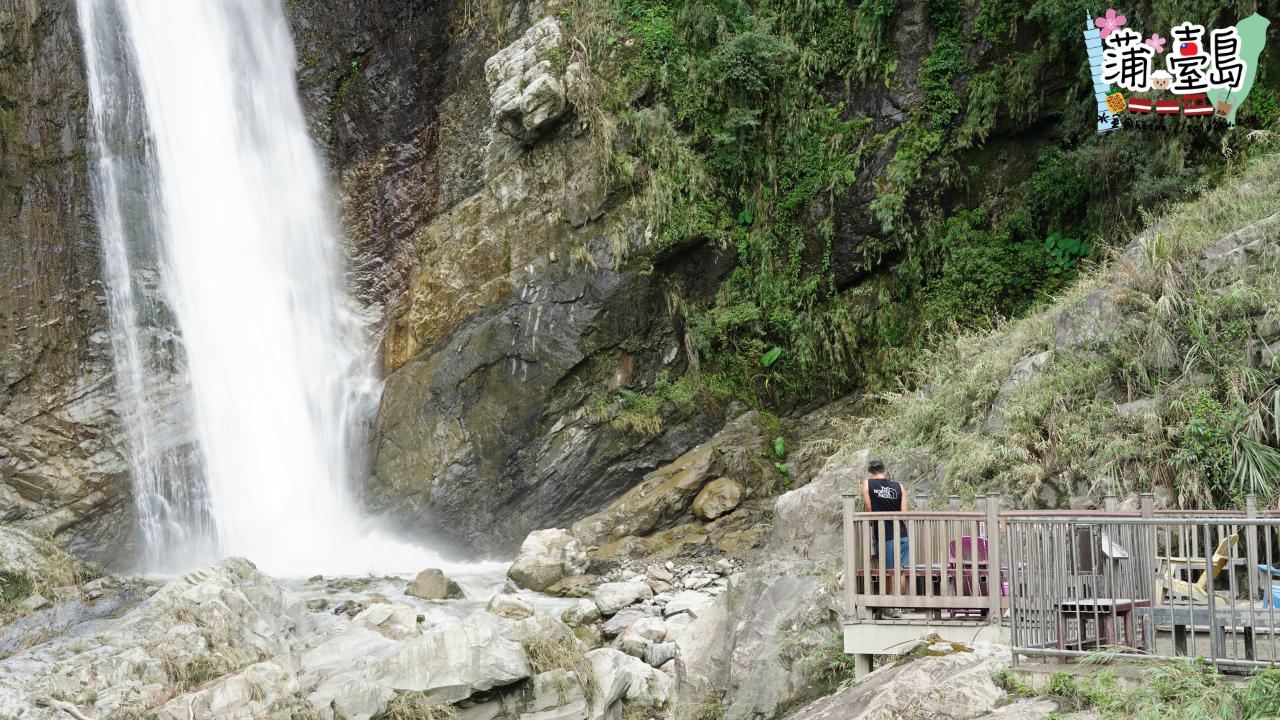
x,y
863,664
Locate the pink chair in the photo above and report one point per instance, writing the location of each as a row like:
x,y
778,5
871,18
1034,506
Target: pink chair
x,y
972,550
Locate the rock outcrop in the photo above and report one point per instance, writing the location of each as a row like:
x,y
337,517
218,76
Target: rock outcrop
x,y
62,466
665,496
207,623
226,642
949,685
717,498
494,262
527,82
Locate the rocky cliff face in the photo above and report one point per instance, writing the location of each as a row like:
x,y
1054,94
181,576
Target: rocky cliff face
x,y
61,461
475,203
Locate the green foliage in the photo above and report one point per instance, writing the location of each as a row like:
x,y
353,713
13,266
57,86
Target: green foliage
x,y
1172,690
1065,252
1007,681
643,412
725,124
827,664
1098,689
736,145
923,136
984,274
1160,326
14,588
710,706
550,652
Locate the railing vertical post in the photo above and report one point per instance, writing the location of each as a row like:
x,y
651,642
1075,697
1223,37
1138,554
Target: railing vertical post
x,y
953,503
850,547
1109,502
1251,543
1146,565
993,557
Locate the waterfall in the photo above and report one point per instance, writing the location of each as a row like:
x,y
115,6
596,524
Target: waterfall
x,y
244,374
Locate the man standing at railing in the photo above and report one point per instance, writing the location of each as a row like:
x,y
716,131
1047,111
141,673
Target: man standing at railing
x,y
882,494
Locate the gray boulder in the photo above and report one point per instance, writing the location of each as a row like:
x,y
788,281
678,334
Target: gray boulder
x,y
509,606
717,498
619,677
620,621
431,584
527,90
546,557
612,597
807,520
583,612
392,620
556,695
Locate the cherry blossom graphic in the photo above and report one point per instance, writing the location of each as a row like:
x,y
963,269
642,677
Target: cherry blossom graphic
x,y
1155,42
1109,23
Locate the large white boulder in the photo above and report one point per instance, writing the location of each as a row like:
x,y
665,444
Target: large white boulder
x,y
649,628
452,663
806,521
612,597
619,676
344,650
701,629
686,601
546,557
392,620
509,606
351,696
583,612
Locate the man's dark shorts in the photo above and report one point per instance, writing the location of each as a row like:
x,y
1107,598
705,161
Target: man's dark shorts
x,y
901,545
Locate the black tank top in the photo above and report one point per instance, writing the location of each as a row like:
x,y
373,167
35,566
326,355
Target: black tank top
x,y
886,496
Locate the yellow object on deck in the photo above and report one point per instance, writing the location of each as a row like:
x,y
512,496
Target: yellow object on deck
x,y
1167,579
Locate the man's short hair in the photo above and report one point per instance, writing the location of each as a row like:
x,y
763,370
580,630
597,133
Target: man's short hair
x,y
875,466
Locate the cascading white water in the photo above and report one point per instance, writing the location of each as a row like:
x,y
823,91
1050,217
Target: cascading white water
x,y
244,374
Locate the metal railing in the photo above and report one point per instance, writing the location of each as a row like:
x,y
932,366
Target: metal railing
x,y
1071,583
1158,585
